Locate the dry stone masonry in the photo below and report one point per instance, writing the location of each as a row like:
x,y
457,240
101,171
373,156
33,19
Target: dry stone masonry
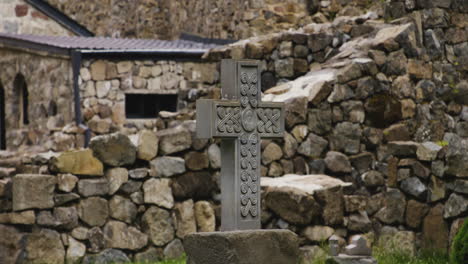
x,y
378,101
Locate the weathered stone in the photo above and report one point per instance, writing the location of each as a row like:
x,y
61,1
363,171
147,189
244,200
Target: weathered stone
x,y
419,70
318,233
459,186
119,235
184,219
93,187
214,156
21,218
284,67
167,166
61,199
414,187
44,246
395,64
114,149
107,256
196,160
355,203
195,185
122,209
393,209
358,247
428,151
11,244
382,110
75,251
174,250
295,111
174,140
290,145
140,173
362,162
397,132
271,153
313,146
319,122
115,178
331,200
373,179
157,223
149,256
62,218
204,216
435,229
436,189
93,211
158,191
340,93
79,162
66,182
457,158
338,162
415,213
456,205
309,254
80,233
403,148
147,145
96,240
98,70
33,191
346,137
271,246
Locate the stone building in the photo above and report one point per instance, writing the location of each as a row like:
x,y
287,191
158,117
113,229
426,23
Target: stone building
x,y
100,84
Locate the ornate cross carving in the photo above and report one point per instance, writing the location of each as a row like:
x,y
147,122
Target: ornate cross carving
x,y
240,119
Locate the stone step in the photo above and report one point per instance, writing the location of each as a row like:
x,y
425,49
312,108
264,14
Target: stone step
x,y
305,183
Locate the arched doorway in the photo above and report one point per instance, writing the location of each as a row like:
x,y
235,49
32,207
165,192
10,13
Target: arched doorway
x,y
21,100
2,119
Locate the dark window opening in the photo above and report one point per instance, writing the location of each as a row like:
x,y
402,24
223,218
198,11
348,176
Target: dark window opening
x,y
21,100
149,105
2,119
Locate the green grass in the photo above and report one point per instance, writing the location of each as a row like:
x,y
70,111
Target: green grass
x,y
393,257
181,260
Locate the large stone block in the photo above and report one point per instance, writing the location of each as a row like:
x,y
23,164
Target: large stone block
x,y
114,149
33,191
79,162
236,247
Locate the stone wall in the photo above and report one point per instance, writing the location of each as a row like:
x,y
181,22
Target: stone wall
x,y
104,84
50,101
19,17
166,19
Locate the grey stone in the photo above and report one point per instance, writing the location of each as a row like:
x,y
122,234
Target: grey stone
x,y
456,205
75,251
122,209
66,182
359,222
140,173
93,211
119,235
428,151
131,187
96,240
272,152
61,199
214,155
457,157
340,93
295,111
373,179
174,140
347,259
319,121
184,219
338,162
115,178
167,166
158,191
157,223
393,210
44,246
174,250
80,233
11,244
459,186
358,247
33,191
271,247
147,145
313,146
346,137
114,149
149,256
62,218
107,256
93,187
284,67
290,145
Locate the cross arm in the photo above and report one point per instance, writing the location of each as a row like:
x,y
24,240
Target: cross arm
x,y
218,118
270,120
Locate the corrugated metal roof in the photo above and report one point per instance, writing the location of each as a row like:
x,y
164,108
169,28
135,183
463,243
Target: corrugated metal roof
x,y
112,44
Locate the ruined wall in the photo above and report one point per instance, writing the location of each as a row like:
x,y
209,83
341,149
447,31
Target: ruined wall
x,y
166,19
50,100
19,17
380,105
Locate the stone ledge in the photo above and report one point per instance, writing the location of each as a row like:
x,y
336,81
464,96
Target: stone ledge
x,y
242,247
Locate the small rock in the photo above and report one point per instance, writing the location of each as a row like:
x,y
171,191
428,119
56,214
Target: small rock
x,y
78,162
415,213
122,209
313,146
147,145
157,223
184,219
174,250
140,173
318,233
271,153
66,182
119,235
393,209
115,178
93,187
107,256
214,155
456,205
415,187
373,179
75,251
93,211
196,160
428,151
174,140
205,216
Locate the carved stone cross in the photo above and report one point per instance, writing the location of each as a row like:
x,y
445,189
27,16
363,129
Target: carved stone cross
x,y
240,119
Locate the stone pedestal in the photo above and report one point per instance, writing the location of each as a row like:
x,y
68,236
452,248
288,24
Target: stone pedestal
x,y
242,247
